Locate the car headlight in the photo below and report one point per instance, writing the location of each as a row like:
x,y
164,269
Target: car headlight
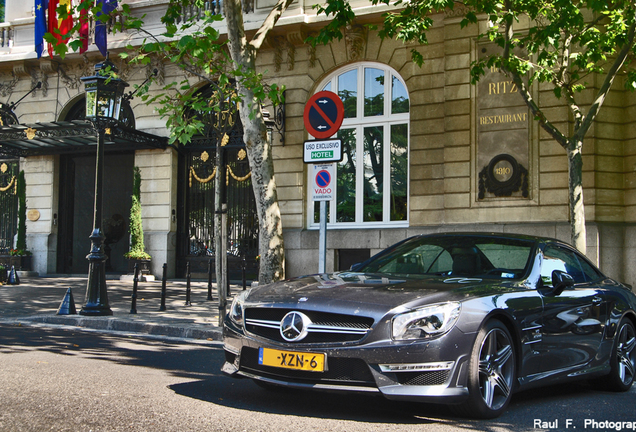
x,y
236,311
426,322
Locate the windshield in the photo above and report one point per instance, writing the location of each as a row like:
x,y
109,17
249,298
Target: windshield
x,y
466,256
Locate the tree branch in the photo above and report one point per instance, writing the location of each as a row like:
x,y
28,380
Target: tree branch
x,y
269,23
523,89
607,83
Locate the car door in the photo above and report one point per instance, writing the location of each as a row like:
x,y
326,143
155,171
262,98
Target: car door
x,y
573,320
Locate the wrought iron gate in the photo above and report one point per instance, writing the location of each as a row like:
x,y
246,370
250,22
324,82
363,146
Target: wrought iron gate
x,y
8,204
196,208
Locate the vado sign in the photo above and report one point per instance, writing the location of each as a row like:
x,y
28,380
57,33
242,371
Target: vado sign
x,y
324,183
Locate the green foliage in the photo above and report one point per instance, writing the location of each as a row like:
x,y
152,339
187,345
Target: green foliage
x,y
195,46
21,190
137,248
565,43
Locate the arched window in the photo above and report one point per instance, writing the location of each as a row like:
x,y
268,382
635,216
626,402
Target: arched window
x,y
372,179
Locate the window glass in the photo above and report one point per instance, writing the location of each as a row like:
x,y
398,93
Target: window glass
x,y
373,92
591,273
556,258
373,173
348,92
399,97
399,171
507,260
456,256
346,181
373,176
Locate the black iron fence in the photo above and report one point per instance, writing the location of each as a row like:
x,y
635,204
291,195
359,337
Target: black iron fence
x,y
8,204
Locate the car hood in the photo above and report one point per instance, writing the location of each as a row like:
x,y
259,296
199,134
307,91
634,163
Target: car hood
x,y
342,291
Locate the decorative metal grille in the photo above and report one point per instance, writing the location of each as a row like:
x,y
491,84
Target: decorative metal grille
x,y
196,206
8,204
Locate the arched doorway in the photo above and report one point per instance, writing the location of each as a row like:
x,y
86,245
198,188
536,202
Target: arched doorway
x,y
76,201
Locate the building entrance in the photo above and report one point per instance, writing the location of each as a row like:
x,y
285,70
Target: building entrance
x,y
77,196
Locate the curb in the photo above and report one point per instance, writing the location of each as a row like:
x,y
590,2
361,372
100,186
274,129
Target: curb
x,y
117,324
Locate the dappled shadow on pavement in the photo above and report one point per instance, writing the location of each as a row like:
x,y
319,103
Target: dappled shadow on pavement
x,y
176,357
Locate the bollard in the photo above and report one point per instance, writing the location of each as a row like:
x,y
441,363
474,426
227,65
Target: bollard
x,y
243,271
163,287
187,302
67,307
133,306
210,280
13,278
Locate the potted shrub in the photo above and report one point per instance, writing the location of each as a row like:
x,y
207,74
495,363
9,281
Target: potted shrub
x,y
3,274
137,253
20,257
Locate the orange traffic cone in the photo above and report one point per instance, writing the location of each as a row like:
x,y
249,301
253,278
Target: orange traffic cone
x,y
67,307
13,277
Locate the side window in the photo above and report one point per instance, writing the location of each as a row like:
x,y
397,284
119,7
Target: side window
x,y
556,258
591,273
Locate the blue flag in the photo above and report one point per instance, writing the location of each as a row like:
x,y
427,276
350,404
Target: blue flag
x,y
40,25
101,28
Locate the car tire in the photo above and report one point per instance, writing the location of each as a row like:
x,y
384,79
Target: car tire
x,y
491,372
622,360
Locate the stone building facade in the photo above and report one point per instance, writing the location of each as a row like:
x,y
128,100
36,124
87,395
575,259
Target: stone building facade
x,y
427,151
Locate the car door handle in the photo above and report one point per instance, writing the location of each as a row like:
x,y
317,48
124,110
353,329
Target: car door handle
x,y
597,301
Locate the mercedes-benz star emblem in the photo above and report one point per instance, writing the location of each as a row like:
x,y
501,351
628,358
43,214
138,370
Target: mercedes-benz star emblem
x,y
293,326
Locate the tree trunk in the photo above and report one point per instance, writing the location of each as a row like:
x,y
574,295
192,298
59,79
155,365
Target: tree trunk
x,y
575,183
259,151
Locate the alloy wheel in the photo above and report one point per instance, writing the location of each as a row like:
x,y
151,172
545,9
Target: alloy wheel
x,y
496,368
625,353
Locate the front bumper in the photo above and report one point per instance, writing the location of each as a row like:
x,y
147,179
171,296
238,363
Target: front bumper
x,y
431,371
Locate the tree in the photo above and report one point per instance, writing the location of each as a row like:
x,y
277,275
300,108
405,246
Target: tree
x,y
137,246
559,43
195,45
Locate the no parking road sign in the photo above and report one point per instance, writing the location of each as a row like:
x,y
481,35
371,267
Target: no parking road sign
x,y
323,114
324,182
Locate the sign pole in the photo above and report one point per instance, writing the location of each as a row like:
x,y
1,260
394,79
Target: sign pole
x,y
323,116
322,238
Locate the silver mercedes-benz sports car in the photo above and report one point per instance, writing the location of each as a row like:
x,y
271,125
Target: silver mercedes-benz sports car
x,y
464,319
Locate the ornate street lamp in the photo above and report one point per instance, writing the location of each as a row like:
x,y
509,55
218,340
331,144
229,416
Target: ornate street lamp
x,y
104,93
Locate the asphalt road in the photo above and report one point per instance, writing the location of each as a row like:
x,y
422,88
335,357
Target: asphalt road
x,y
58,379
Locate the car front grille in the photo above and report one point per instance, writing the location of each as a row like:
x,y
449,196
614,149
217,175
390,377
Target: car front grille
x,y
347,371
325,327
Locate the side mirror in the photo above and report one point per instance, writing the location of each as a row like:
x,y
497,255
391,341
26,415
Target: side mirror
x,y
560,281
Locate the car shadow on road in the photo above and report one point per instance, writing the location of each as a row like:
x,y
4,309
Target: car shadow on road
x,y
576,401
246,395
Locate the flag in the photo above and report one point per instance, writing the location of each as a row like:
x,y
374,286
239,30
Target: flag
x,y
83,31
59,27
101,27
40,25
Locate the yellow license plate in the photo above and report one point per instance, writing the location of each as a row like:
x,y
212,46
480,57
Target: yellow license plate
x,y
291,360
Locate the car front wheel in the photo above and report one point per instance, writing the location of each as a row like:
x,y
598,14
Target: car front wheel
x,y
622,360
491,372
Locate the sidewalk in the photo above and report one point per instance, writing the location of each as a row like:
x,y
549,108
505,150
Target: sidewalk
x,y
37,299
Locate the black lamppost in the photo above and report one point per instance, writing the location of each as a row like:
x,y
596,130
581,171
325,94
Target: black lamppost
x,y
104,93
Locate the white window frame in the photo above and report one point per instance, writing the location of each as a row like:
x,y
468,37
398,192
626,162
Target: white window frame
x,y
359,123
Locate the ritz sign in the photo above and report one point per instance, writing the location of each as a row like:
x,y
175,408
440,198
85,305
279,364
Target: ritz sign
x,y
503,120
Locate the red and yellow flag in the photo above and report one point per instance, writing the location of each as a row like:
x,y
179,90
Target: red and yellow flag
x,y
59,27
